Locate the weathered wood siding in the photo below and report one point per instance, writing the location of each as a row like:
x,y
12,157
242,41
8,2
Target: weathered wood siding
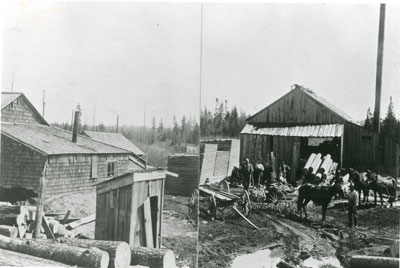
x,y
120,211
19,112
70,173
20,165
296,108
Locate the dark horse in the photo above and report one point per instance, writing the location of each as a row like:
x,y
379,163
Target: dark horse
x,y
360,181
320,195
382,185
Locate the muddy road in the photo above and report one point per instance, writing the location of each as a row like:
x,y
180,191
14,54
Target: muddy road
x,y
297,241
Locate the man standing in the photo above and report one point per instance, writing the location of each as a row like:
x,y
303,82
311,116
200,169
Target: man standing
x,y
353,203
258,172
247,173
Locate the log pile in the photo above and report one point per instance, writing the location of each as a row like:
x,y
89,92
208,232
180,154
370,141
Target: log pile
x,y
317,163
86,253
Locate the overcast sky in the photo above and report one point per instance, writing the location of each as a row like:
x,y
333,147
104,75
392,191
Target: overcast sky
x,y
118,56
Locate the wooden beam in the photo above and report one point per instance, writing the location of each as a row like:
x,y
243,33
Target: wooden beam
x,y
82,221
241,215
40,203
148,223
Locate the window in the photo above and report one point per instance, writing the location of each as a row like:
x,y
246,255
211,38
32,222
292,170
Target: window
x,y
111,167
93,174
366,140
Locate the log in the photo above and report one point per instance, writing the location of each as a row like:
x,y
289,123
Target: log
x,y
82,221
9,231
153,258
13,215
358,261
119,251
81,257
11,258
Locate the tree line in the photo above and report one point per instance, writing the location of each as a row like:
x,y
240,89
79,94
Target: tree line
x,y
183,132
221,122
390,125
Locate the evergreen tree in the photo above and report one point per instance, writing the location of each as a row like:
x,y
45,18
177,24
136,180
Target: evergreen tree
x,y
389,124
175,133
160,131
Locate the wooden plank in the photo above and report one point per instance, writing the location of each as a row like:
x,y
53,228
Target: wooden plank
x,y
208,165
148,223
47,229
40,203
82,221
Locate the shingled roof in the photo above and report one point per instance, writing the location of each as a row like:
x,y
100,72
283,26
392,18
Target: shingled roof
x,y
115,139
9,97
51,140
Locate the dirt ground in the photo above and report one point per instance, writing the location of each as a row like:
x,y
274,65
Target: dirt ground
x,y
179,234
222,240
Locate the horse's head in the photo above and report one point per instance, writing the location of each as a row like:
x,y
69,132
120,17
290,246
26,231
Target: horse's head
x,y
371,176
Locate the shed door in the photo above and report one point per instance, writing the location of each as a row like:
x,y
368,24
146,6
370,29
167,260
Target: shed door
x,y
150,221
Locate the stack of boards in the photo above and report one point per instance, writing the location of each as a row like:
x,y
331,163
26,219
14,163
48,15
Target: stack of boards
x,y
219,159
316,161
187,167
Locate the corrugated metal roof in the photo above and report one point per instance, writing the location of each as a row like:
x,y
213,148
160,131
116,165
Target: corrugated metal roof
x,y
332,130
8,97
54,141
115,139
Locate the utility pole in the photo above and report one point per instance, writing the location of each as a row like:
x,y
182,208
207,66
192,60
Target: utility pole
x,y
44,103
12,81
117,122
379,66
144,120
94,114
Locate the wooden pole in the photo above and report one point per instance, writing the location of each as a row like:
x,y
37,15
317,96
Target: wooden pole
x,y
39,209
379,65
81,257
241,215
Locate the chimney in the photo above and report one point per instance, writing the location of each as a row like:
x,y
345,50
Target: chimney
x,y
378,85
76,124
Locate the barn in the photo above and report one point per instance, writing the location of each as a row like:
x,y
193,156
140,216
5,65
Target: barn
x,y
300,123
74,162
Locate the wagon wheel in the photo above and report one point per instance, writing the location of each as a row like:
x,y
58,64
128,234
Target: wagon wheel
x,y
213,207
194,206
224,186
245,203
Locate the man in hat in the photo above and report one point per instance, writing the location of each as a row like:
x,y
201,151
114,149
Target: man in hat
x,y
353,203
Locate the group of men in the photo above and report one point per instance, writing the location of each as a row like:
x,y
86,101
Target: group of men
x,y
262,172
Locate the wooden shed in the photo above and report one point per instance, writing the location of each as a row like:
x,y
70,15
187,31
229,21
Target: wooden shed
x,y
300,123
129,208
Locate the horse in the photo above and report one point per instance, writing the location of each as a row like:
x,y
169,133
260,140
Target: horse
x,y
320,195
382,185
360,182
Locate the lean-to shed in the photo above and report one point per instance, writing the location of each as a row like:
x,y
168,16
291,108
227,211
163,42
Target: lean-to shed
x,y
129,208
300,123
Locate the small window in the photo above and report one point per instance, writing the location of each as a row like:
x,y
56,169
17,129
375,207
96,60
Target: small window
x,y
366,140
111,167
94,167
11,106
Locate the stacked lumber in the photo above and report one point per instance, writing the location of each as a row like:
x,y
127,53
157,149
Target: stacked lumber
x,y
187,167
234,156
208,162
13,217
221,163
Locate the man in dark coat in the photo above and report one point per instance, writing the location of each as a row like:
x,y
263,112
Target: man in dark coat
x,y
247,173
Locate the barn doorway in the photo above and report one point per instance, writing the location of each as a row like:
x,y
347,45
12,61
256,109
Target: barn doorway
x,y
323,146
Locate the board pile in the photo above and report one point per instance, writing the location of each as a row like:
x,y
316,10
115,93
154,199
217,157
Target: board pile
x,y
187,167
